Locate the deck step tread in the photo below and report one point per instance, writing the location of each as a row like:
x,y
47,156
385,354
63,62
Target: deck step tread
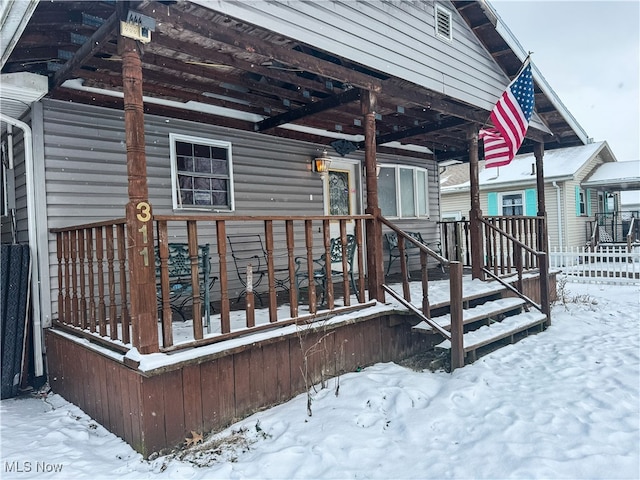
x,y
470,315
497,331
494,291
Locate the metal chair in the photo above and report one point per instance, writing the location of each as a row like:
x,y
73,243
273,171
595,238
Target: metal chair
x,y
249,250
321,267
179,272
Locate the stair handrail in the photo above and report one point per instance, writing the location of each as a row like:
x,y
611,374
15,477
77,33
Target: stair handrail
x,y
543,306
455,292
510,237
411,239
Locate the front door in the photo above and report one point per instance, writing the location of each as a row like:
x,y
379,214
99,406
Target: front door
x,y
342,192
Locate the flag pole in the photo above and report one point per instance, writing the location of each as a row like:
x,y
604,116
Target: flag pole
x,y
526,62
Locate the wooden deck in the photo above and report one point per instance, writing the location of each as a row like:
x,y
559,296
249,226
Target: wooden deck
x,y
155,401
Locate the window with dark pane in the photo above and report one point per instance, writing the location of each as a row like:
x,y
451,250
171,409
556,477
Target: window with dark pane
x,y
512,204
203,173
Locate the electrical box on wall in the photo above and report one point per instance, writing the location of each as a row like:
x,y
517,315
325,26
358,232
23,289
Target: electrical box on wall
x,y
138,27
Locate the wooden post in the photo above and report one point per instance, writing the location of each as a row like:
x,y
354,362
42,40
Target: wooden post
x,y
543,243
375,264
475,214
140,252
538,151
249,305
455,292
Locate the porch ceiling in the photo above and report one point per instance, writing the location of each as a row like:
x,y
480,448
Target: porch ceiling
x,y
200,55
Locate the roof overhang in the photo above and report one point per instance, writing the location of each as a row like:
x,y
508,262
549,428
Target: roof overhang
x,y
615,176
14,17
203,64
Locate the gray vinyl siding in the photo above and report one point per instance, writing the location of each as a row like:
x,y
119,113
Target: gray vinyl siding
x,y
22,230
86,174
394,37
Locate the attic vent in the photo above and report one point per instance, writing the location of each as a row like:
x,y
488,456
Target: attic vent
x,y
444,28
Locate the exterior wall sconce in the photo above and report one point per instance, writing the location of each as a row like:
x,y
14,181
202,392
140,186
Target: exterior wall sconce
x,y
321,164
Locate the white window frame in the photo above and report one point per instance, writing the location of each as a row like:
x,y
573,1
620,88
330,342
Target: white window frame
x,y
440,10
398,189
177,203
523,197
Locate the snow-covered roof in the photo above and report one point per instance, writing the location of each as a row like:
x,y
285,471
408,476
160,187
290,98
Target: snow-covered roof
x,y
559,164
615,176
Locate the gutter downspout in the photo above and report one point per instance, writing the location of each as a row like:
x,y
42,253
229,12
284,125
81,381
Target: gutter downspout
x,y
558,198
33,246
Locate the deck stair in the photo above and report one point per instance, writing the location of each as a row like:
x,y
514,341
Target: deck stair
x,y
489,325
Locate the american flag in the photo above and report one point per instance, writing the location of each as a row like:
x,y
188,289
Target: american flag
x,y
511,117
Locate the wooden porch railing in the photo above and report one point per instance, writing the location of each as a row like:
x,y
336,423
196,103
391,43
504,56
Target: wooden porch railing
x,y
92,279
456,241
502,235
455,291
506,254
92,275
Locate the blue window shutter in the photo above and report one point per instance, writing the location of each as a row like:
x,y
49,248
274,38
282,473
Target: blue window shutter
x,y
577,201
588,202
492,200
531,202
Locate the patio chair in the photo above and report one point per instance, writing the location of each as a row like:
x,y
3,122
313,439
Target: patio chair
x,y
249,250
321,265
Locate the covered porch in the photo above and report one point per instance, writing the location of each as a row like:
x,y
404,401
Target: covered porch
x,y
255,357
248,334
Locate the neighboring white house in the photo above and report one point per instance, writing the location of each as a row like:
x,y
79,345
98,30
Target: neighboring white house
x,y
511,190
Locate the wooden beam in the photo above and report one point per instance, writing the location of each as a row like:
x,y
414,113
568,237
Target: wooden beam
x,y
104,33
171,17
307,110
419,130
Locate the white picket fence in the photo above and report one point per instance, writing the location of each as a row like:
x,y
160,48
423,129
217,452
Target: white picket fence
x,y
609,264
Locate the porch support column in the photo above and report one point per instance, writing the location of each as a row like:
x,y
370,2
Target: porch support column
x,y
538,151
543,242
475,214
375,267
140,252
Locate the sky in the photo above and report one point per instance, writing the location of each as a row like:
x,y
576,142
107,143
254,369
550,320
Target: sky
x,y
589,52
561,404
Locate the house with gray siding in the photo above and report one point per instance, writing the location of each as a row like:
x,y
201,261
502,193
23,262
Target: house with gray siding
x,y
313,126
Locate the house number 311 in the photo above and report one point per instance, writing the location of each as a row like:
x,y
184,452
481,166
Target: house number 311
x,y
144,215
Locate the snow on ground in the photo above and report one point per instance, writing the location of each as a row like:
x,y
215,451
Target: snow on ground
x,y
560,404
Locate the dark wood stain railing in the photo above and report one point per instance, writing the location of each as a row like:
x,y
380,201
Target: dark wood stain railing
x,y
456,241
93,276
455,291
90,258
93,282
502,234
516,256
